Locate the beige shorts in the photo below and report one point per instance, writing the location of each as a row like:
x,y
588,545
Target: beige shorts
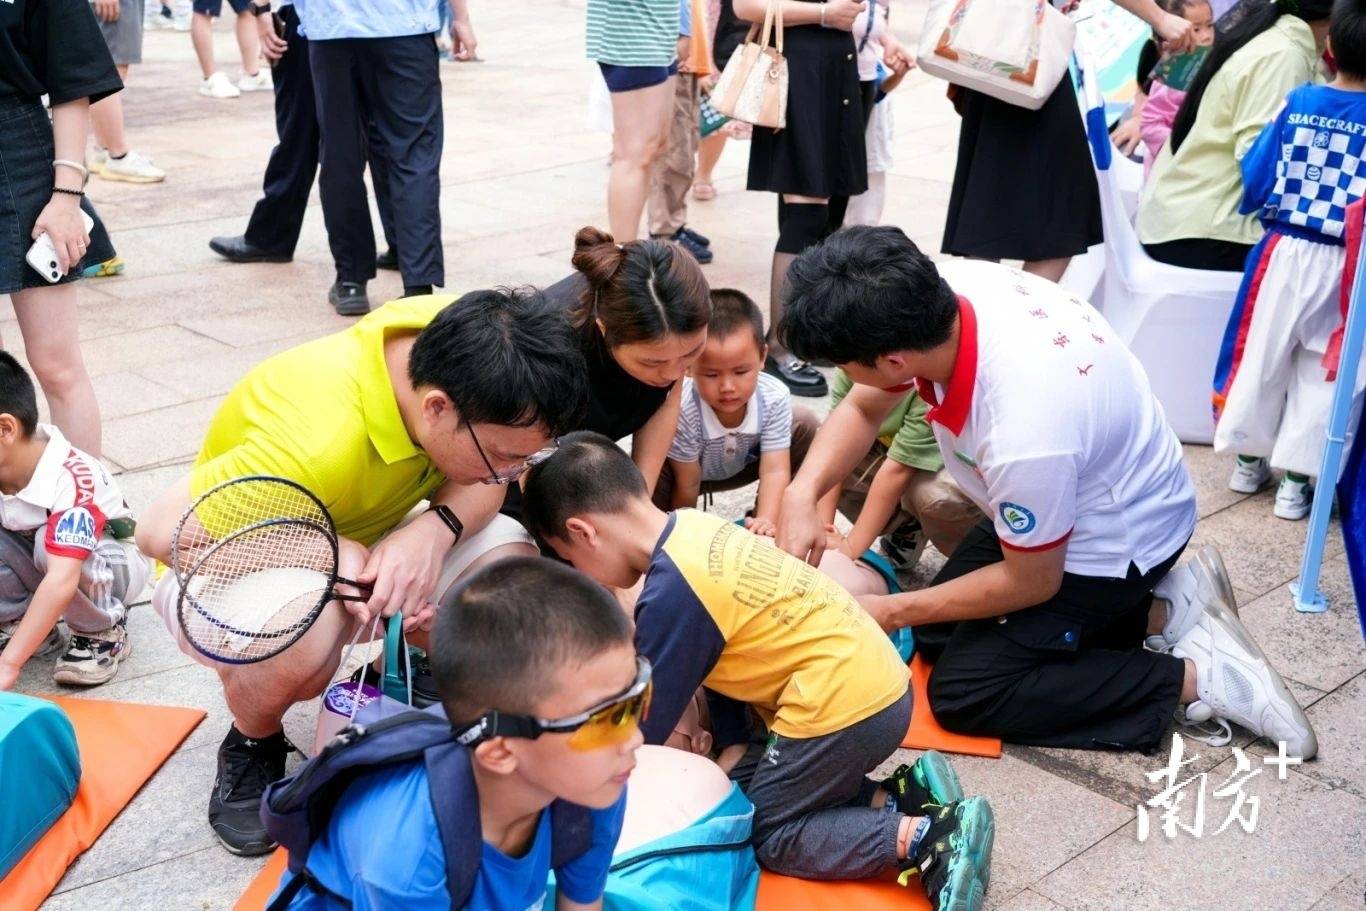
x,y
501,530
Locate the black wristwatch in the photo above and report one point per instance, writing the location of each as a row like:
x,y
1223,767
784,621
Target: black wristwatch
x,y
260,10
452,521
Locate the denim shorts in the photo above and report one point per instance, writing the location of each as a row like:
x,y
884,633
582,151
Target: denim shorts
x,y
26,180
630,78
214,8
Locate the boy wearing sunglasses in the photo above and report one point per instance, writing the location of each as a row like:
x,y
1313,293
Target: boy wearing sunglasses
x,y
724,608
539,676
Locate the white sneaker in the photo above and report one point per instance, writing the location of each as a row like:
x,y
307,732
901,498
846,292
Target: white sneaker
x,y
219,86
1249,477
157,22
1294,499
1234,682
93,658
1188,589
94,162
133,167
261,82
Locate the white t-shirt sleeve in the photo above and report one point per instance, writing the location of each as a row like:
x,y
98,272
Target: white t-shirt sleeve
x,y
1033,500
776,433
687,441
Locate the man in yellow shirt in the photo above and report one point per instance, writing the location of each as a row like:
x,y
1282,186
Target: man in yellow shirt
x,y
427,398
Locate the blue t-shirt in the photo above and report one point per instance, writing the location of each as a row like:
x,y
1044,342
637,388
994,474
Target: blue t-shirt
x,y
382,851
1306,166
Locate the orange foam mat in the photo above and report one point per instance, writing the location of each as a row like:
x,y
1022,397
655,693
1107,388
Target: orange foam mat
x,y
122,745
784,893
925,732
265,883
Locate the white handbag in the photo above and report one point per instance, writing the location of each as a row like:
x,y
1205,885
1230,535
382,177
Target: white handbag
x,y
1013,50
753,86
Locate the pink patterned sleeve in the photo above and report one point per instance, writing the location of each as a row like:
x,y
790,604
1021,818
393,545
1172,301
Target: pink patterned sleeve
x,y
1155,123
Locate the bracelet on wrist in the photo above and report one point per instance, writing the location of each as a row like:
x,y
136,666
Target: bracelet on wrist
x,y
65,192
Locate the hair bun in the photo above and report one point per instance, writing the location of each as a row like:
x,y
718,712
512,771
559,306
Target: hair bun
x,y
597,255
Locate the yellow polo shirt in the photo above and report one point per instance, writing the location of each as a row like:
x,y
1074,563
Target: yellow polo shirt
x,y
1195,193
324,414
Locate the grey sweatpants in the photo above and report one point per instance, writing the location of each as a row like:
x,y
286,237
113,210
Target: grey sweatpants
x,y
811,797
112,574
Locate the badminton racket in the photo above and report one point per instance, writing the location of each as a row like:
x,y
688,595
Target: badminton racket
x,y
256,559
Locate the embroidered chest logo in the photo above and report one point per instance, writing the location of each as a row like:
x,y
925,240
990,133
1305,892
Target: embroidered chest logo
x,y
1019,519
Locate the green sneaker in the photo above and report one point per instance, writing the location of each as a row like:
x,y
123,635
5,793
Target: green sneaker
x,y
930,782
953,859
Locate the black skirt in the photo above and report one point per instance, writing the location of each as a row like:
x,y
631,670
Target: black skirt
x,y
26,180
820,153
1025,187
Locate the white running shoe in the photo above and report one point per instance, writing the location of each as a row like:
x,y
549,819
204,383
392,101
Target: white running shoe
x,y
95,161
261,82
1294,499
1188,589
219,86
133,167
93,658
1234,682
1249,477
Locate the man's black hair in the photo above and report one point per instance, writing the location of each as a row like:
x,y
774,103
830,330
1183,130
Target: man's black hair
x,y
588,473
862,293
506,356
502,632
1347,35
17,396
733,311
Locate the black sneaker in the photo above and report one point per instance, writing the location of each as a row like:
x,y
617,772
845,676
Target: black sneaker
x,y
245,768
903,546
930,783
697,238
387,260
349,298
798,376
685,240
953,858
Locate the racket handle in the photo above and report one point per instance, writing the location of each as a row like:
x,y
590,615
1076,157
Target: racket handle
x,y
366,589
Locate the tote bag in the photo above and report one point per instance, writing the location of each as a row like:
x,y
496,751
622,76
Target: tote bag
x,y
753,86
1013,50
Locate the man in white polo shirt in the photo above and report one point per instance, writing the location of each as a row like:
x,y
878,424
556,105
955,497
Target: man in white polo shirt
x,y
1037,623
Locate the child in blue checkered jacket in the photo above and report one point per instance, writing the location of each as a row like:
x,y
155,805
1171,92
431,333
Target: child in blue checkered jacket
x,y
1273,385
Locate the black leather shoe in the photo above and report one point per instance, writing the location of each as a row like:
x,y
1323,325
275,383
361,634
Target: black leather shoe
x,y
349,299
237,250
387,260
697,238
416,290
798,375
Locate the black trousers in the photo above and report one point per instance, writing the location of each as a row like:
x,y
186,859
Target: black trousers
x,y
279,214
1201,253
1071,672
385,93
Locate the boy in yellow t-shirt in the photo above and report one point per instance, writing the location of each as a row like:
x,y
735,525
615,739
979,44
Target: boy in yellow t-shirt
x,y
724,608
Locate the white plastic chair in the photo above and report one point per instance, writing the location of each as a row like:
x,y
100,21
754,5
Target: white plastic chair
x,y
1172,318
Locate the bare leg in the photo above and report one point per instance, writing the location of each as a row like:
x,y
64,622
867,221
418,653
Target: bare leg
x,y
248,43
1051,269
201,36
640,124
106,119
708,154
258,695
48,323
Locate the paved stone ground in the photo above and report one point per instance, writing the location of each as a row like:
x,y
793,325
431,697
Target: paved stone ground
x,y
521,172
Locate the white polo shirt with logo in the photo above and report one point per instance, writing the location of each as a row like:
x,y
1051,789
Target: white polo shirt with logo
x,y
71,496
1050,426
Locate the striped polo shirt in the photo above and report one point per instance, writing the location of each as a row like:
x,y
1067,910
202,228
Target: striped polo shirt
x,y
633,32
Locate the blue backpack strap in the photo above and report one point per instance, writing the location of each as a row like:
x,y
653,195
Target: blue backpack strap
x,y
455,801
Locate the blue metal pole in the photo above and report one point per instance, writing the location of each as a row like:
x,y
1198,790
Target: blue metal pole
x,y
1308,598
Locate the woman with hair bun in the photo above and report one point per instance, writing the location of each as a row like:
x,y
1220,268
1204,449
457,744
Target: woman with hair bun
x,y
641,309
